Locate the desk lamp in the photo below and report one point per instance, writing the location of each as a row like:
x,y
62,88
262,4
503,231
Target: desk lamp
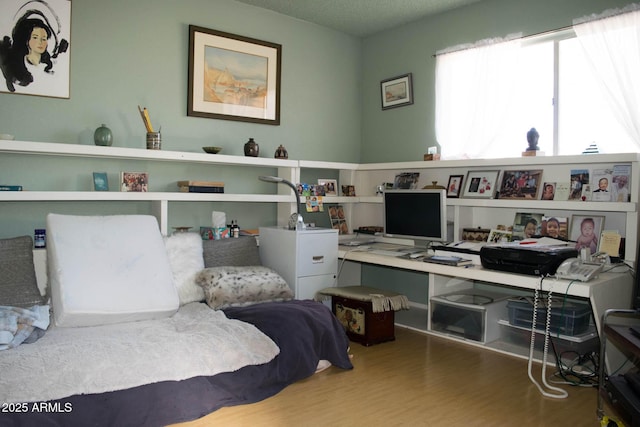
x,y
296,222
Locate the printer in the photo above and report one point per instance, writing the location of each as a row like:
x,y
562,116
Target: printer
x,y
531,259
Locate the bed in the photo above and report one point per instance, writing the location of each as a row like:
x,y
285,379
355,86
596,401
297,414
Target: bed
x,y
293,337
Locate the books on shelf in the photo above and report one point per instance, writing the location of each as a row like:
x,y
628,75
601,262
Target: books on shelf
x,y
447,260
10,187
201,189
201,186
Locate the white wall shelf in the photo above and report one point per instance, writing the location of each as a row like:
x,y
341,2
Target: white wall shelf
x,y
366,208
160,200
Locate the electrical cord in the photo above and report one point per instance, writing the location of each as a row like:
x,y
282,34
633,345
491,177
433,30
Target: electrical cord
x,y
555,392
344,259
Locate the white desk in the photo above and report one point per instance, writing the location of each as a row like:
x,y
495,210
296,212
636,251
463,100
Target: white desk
x,y
609,290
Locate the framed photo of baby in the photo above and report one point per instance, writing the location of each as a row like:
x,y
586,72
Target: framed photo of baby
x,y
35,41
586,230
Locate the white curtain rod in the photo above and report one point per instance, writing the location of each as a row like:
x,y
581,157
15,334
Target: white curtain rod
x,y
540,34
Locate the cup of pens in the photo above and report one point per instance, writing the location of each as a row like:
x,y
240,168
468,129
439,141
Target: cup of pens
x,y
154,140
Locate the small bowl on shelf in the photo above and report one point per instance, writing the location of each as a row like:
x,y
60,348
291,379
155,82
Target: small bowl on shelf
x,y
7,136
212,150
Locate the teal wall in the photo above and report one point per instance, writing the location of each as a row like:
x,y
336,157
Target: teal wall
x,y
125,54
403,134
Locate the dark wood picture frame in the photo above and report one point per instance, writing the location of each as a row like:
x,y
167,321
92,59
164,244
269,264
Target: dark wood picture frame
x,y
397,91
521,184
223,82
454,186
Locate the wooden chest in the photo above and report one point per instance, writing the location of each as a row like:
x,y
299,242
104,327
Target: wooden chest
x,y
361,323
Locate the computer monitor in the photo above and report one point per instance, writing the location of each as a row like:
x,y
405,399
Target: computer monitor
x,y
416,214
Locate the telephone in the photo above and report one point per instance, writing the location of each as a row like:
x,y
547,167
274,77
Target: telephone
x,y
575,269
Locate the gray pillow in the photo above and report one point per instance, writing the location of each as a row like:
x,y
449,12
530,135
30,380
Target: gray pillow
x,y
18,285
240,252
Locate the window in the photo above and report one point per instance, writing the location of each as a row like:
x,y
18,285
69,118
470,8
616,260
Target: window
x,y
554,89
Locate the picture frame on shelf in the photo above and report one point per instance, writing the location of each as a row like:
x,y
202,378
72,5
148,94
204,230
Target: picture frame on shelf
x,y
601,185
52,79
349,190
527,225
330,186
406,180
480,184
134,181
519,184
250,68
397,91
100,181
475,234
586,230
548,191
555,227
562,191
621,180
454,186
578,178
500,236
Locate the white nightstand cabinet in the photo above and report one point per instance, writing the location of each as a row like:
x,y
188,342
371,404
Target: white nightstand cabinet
x,y
306,259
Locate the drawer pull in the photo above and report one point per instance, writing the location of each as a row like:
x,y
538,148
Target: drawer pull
x,y
317,259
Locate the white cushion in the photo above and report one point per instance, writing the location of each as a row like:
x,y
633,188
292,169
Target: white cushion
x,y
108,269
186,260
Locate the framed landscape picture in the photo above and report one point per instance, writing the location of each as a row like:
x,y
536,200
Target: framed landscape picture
x,y
233,77
520,184
397,91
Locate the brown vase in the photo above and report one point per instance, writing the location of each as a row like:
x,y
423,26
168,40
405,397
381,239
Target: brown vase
x,y
281,153
251,148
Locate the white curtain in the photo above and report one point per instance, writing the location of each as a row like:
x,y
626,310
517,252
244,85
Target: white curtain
x,y
466,124
611,42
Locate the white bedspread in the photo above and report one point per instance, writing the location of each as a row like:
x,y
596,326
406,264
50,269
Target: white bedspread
x,y
66,361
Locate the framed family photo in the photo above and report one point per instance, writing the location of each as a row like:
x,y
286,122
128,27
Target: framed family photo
x,y
134,181
330,186
521,184
397,91
454,187
232,77
480,184
35,40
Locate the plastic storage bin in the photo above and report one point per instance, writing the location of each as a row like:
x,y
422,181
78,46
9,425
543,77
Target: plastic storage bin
x,y
471,314
567,317
582,344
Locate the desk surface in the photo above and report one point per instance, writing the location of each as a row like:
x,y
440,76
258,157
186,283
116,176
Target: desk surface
x,y
477,272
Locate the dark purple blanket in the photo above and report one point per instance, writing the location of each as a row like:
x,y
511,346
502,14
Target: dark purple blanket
x,y
306,332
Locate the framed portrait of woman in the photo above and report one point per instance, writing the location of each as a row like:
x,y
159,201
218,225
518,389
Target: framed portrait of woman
x,y
35,44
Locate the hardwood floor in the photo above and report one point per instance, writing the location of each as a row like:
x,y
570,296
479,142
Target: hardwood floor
x,y
417,380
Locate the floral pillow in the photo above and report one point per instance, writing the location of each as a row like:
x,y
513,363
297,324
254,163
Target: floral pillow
x,y
240,286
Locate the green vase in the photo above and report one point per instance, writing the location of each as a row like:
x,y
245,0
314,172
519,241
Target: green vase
x,y
102,136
